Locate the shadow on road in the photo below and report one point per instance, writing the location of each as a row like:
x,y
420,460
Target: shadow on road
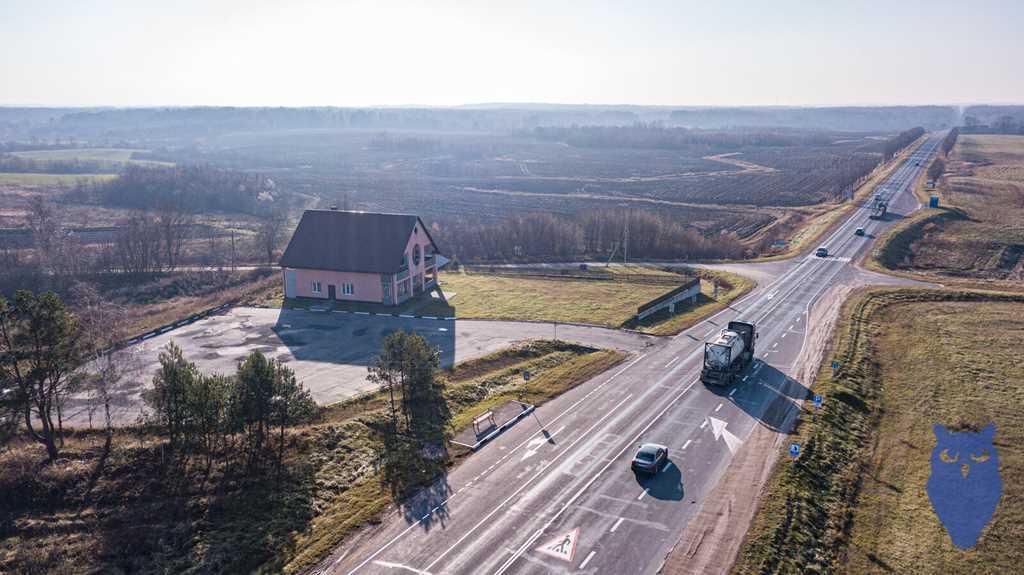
x,y
351,339
769,396
666,485
427,506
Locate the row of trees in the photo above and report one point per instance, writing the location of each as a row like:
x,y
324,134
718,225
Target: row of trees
x,y
949,141
222,416
194,188
900,141
657,136
20,165
637,234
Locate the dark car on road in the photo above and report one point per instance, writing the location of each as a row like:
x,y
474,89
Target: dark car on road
x,y
649,458
858,232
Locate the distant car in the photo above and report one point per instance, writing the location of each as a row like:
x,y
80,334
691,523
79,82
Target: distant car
x,y
917,163
649,458
858,232
821,252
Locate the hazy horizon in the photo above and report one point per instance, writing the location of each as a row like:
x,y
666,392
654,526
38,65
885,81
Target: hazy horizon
x,y
447,54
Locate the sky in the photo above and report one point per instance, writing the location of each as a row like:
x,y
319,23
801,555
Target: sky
x,y
447,53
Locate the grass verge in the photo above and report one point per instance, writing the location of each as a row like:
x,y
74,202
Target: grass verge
x,y
730,287
854,500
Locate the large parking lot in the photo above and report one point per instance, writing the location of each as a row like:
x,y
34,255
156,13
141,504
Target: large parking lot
x,y
330,351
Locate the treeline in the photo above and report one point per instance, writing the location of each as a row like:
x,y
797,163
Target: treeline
x,y
196,189
19,165
949,141
637,234
900,141
657,136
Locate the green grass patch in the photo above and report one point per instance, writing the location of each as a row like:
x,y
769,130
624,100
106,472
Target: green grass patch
x,y
51,179
102,155
854,501
601,302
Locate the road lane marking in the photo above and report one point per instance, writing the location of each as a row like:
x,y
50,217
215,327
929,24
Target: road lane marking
x,y
526,484
719,407
616,526
734,389
704,424
687,444
390,565
642,495
596,476
674,359
587,560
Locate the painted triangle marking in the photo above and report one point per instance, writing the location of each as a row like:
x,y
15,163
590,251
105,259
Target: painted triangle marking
x,y
562,547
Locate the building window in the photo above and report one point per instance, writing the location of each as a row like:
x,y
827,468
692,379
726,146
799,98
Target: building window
x,y
316,287
348,289
416,251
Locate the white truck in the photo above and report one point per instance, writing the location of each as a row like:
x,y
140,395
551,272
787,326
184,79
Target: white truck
x,y
729,354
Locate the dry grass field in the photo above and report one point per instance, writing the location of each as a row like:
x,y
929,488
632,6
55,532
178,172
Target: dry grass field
x,y
977,236
855,500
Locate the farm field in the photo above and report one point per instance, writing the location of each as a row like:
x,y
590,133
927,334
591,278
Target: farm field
x,y
856,500
111,155
31,179
977,235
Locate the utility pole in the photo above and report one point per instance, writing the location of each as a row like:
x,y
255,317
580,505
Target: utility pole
x,y
625,242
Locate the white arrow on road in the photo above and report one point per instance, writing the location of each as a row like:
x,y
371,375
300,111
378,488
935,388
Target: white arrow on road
x,y
718,428
537,442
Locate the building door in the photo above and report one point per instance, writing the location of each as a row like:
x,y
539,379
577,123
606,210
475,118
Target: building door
x,y
331,295
289,283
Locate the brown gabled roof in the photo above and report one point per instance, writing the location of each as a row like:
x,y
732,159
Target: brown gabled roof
x,y
350,241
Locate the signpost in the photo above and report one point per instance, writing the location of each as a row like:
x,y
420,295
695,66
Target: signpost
x,y
817,401
794,450
835,365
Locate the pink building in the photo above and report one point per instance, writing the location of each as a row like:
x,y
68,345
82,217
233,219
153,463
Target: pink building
x,y
359,256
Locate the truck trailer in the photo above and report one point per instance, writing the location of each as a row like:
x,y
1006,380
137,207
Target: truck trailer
x,y
729,354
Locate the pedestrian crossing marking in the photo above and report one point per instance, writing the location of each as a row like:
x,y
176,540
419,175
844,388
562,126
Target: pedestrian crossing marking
x,y
562,547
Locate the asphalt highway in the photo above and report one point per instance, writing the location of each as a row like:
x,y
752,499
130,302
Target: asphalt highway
x,y
555,493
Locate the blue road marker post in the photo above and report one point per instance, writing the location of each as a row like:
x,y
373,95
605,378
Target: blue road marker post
x,y
526,375
835,365
794,450
817,401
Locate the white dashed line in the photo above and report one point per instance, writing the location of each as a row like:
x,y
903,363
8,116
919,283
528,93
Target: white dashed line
x,y
674,359
642,494
616,526
587,560
734,389
705,424
685,445
719,407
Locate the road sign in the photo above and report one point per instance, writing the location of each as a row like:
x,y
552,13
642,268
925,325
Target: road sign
x,y
794,449
817,400
562,547
835,364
